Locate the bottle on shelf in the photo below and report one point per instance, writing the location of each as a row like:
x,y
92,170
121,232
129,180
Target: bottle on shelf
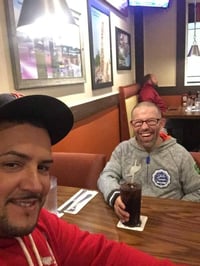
x,y
198,94
184,99
189,99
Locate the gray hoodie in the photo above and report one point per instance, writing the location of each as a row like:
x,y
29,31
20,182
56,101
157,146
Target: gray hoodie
x,y
168,171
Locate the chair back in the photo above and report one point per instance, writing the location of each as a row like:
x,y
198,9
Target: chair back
x,y
128,98
77,169
196,156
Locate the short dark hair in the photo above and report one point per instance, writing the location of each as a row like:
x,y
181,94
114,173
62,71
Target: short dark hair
x,y
148,104
31,121
145,79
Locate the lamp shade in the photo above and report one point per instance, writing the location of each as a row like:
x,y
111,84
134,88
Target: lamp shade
x,y
194,50
33,9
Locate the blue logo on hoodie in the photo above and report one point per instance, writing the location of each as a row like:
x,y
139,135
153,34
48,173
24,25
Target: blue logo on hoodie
x,y
161,178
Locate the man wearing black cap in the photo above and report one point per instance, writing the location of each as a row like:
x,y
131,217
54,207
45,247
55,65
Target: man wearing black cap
x,y
29,234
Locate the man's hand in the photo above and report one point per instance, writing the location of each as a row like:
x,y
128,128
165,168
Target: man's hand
x,y
119,208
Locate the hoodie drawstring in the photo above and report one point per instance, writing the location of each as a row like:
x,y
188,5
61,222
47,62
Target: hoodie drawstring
x,y
35,250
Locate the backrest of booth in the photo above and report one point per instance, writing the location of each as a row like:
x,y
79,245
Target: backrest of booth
x,y
196,156
128,98
77,169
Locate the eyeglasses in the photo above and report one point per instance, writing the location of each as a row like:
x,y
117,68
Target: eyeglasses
x,y
151,122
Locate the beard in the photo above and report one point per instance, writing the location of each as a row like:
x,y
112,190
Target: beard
x,y
10,230
148,143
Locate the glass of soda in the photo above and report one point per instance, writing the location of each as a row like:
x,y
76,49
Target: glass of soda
x,y
131,197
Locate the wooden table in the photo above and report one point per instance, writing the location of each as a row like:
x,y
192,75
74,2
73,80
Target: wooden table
x,y
180,113
172,229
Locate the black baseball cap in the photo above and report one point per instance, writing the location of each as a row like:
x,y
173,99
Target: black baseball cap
x,y
52,113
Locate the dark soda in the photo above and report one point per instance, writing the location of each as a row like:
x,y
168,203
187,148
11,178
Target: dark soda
x,y
131,197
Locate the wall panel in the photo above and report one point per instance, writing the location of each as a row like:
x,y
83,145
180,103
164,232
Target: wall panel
x,y
98,133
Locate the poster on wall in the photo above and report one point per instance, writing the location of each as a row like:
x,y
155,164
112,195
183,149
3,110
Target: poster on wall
x,y
43,54
100,45
123,49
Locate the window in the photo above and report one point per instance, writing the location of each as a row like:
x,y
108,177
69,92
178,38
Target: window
x,y
192,63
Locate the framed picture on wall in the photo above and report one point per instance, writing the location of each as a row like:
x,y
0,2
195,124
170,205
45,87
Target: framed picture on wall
x,y
123,49
120,5
43,55
100,45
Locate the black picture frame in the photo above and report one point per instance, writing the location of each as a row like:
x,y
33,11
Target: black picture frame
x,y
123,49
36,61
100,45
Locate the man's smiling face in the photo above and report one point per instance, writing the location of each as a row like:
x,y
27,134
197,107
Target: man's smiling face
x,y
25,158
147,123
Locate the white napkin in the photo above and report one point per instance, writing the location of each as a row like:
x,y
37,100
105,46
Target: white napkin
x,y
78,202
136,228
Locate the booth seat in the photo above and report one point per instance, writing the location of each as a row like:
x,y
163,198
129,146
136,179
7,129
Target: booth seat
x,y
77,169
196,156
128,98
83,169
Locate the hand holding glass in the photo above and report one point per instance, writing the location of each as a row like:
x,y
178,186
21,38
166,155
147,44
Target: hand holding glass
x,y
131,197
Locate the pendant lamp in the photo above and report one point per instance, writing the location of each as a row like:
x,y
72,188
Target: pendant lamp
x,y
33,9
194,50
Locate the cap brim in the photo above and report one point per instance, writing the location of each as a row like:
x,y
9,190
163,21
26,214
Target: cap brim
x,y
56,117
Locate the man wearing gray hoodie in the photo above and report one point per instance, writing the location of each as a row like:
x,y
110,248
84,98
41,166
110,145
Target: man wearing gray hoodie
x,y
162,166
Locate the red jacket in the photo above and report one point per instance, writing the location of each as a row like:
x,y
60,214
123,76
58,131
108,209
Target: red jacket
x,y
71,247
148,93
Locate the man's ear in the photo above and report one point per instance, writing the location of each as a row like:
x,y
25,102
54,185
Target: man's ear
x,y
163,121
150,81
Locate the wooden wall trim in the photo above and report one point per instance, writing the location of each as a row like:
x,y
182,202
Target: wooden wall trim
x,y
85,110
88,109
180,47
169,90
139,43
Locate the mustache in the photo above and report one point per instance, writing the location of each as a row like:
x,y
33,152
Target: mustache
x,y
146,130
27,196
